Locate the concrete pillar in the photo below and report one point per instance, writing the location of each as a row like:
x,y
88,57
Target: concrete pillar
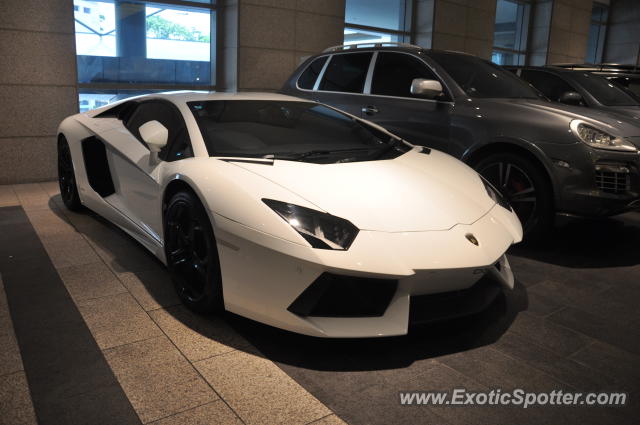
x,y
423,23
622,43
37,85
569,31
464,26
263,41
131,29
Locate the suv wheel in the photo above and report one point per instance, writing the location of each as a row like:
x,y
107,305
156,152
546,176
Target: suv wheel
x,y
526,188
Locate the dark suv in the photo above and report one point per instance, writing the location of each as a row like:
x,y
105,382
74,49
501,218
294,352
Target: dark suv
x,y
580,88
545,157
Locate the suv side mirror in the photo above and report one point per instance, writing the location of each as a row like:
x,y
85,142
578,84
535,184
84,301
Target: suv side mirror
x,y
154,134
429,89
571,98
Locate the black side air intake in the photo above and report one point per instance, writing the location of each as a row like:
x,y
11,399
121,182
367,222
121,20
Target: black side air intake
x,y
97,166
332,295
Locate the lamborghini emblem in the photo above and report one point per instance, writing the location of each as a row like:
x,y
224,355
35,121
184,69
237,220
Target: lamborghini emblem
x,y
472,239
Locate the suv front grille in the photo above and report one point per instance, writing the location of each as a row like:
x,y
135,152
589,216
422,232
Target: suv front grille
x,y
613,179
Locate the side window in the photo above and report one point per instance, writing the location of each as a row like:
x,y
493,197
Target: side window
x,y
394,73
346,72
178,145
550,85
308,78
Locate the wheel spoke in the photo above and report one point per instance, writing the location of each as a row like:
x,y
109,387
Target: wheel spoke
x,y
507,174
179,256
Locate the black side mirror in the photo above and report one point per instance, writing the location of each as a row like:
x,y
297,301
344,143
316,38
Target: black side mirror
x,y
571,98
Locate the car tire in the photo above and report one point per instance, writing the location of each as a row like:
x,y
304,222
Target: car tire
x,y
67,177
526,186
192,254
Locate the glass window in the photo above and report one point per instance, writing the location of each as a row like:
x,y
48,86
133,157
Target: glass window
x,y
127,45
597,31
479,78
510,32
394,73
178,145
604,90
308,78
288,130
346,72
550,85
377,21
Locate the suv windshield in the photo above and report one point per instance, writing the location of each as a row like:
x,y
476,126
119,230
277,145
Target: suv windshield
x,y
480,78
603,90
289,130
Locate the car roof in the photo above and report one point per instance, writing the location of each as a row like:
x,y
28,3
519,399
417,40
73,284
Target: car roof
x,y
189,96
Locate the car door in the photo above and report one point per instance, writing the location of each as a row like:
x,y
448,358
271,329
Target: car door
x,y
552,86
136,176
342,81
389,102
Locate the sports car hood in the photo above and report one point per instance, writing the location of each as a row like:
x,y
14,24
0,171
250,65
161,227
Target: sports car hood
x,y
413,192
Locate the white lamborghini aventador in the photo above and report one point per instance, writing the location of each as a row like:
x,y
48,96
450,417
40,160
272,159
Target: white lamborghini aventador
x,y
291,212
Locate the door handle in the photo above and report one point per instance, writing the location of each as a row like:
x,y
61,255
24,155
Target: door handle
x,y
370,110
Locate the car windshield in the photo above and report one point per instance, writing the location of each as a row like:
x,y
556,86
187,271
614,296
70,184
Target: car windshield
x,y
605,92
483,79
290,130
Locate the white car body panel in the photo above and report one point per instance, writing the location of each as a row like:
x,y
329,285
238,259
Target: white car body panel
x,y
414,213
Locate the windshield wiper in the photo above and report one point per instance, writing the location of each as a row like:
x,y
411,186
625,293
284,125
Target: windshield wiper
x,y
297,156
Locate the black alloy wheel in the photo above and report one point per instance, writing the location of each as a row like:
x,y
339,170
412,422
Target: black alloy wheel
x,y
66,177
192,255
524,186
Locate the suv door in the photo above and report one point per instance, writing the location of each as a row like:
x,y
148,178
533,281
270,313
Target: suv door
x,y
343,81
389,101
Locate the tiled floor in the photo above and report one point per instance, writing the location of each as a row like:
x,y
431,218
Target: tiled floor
x,y
571,324
174,366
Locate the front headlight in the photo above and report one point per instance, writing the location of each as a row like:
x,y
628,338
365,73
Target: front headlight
x,y
495,194
321,230
599,139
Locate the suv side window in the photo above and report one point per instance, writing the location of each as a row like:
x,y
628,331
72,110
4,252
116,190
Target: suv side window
x,y
346,72
550,85
308,78
394,73
178,145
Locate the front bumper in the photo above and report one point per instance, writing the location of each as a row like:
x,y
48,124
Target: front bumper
x,y
592,182
272,281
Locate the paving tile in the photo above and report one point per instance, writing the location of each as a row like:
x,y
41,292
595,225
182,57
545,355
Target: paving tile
x,y
153,289
259,391
8,196
614,333
120,251
540,304
15,402
50,224
548,334
495,369
33,197
610,360
69,250
198,337
560,368
10,359
216,412
117,320
157,379
88,281
329,420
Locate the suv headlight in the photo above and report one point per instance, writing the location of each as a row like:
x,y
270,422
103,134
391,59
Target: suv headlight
x,y
321,230
495,194
600,139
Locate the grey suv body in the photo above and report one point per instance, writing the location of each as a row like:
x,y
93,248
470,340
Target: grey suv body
x,y
545,157
581,88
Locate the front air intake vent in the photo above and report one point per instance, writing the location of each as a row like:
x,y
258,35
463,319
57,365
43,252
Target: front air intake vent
x,y
332,295
613,179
